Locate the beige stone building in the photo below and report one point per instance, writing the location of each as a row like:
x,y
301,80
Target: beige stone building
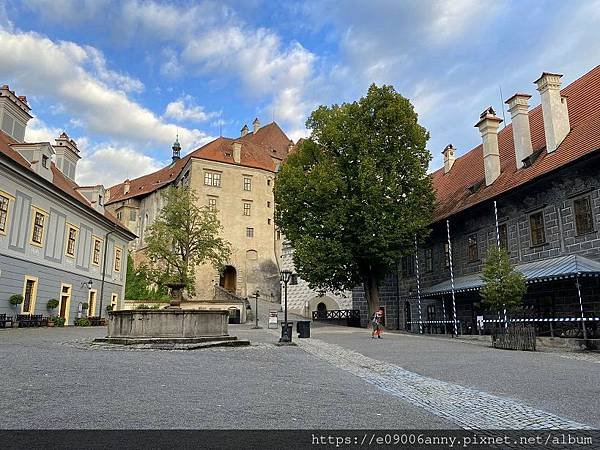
x,y
236,177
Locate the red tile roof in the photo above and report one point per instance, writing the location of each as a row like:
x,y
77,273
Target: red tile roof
x,y
257,155
271,137
452,189
58,179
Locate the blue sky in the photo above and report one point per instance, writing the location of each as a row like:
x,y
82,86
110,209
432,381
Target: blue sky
x,y
123,77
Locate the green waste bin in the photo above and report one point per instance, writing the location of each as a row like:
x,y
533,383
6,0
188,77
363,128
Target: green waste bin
x,y
303,328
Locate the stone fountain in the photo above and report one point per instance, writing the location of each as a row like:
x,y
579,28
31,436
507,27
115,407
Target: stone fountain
x,y
172,327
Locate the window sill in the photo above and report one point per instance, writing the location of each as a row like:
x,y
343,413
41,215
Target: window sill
x,y
538,245
580,235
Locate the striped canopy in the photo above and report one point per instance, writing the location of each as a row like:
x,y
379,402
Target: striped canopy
x,y
535,272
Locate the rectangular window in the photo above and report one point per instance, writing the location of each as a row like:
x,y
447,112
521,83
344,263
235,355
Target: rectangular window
x,y
117,259
472,249
29,295
212,179
114,301
249,232
268,221
4,201
536,228
37,232
44,161
503,232
119,215
408,266
96,251
71,240
247,184
246,208
212,204
268,204
132,215
268,182
278,235
428,260
584,220
430,312
446,255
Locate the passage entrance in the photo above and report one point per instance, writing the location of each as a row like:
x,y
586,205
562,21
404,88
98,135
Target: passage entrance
x,y
228,280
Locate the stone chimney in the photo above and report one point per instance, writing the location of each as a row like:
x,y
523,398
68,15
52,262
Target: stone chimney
x,y
449,157
176,150
255,125
518,107
244,130
14,114
554,109
126,186
237,152
67,155
488,127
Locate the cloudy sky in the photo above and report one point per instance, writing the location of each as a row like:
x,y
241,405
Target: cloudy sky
x,y
124,77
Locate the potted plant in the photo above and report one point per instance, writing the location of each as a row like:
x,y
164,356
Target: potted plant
x,y
84,307
51,305
16,300
58,321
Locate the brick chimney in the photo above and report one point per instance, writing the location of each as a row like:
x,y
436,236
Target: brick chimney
x,y
488,127
237,152
67,155
554,109
255,125
449,157
518,106
244,130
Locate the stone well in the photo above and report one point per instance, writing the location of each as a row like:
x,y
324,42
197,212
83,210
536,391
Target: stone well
x,y
168,326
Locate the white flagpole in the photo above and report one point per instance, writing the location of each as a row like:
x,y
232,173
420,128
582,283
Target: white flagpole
x,y
451,277
498,245
418,285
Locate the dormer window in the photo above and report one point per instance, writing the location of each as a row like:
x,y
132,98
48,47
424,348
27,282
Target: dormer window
x,y
44,161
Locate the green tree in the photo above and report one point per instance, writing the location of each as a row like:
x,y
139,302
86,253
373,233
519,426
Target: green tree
x,y
183,236
353,196
142,285
503,286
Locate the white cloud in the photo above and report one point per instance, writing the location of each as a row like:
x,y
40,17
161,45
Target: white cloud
x,y
117,163
61,75
184,109
38,131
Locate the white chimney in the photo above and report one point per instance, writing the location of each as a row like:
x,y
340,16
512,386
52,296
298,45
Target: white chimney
x,y
554,109
255,125
244,130
488,127
126,186
14,113
518,106
237,152
449,157
67,155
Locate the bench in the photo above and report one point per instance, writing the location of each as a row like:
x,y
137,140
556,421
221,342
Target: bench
x,y
30,320
4,320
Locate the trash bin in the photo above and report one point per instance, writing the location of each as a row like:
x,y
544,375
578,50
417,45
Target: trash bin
x,y
289,333
303,328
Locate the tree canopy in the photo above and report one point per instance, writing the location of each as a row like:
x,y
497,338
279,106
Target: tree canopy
x,y
183,236
503,285
353,196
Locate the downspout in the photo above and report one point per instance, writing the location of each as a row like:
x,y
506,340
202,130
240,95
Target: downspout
x,y
104,267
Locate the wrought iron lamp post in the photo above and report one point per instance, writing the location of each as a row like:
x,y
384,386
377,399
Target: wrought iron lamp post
x,y
256,295
286,276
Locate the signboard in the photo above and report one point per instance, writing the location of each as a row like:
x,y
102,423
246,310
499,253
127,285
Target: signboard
x,y
480,322
273,319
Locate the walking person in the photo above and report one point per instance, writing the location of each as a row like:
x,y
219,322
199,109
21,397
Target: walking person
x,y
377,325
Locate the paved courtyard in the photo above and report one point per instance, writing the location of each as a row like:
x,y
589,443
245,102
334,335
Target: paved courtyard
x,y
339,378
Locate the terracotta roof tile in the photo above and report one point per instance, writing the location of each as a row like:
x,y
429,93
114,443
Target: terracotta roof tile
x,y
272,137
452,189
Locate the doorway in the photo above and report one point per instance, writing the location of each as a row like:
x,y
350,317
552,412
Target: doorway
x,y
92,303
407,316
228,279
65,302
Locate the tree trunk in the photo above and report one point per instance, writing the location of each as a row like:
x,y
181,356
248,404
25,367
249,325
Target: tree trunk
x,y
372,294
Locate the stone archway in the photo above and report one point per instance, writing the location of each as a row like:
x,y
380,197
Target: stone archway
x,y
228,279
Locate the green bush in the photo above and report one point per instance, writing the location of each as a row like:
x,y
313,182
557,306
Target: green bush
x,y
16,299
58,321
155,307
84,305
52,303
142,306
82,322
109,308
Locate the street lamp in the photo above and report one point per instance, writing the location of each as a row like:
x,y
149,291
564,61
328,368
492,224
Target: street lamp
x,y
88,285
256,295
286,276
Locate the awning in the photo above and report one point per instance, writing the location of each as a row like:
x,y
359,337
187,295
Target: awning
x,y
535,272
